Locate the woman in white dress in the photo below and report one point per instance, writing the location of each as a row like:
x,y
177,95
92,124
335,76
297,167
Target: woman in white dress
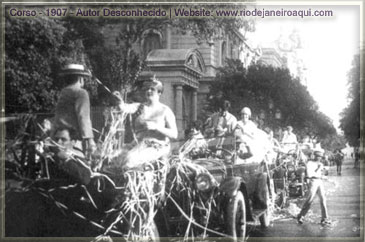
x,y
154,126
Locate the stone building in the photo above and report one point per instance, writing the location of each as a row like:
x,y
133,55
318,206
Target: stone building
x,y
271,57
187,67
286,51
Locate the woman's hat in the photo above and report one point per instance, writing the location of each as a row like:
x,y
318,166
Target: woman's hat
x,y
247,111
153,82
75,69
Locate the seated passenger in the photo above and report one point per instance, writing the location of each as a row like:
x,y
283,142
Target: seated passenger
x,y
274,142
154,125
69,159
200,145
221,123
306,146
289,140
253,142
245,132
273,146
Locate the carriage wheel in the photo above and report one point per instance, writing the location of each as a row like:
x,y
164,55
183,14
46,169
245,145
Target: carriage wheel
x,y
265,218
236,217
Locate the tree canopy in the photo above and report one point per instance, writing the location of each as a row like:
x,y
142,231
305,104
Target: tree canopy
x,y
274,96
36,48
350,116
121,65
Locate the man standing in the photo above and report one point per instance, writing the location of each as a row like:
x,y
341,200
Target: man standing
x,y
73,107
314,174
339,159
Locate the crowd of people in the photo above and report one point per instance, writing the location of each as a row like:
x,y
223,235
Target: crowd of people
x,y
154,125
250,139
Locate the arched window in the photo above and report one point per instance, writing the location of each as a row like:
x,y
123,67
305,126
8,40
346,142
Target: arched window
x,y
151,41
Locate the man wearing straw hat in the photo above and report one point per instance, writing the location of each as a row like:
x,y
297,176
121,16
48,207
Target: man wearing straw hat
x,y
73,107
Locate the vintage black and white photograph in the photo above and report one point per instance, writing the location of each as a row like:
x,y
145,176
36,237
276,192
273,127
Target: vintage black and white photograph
x,y
182,121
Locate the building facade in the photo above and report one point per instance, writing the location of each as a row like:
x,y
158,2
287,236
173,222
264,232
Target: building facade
x,y
187,67
271,57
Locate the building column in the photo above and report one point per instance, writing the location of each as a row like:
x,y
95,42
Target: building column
x,y
194,104
178,110
168,37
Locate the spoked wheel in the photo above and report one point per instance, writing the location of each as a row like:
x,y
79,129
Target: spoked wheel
x,y
265,218
236,217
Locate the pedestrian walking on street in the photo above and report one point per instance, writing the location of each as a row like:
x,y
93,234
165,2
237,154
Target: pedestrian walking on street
x,y
314,175
339,160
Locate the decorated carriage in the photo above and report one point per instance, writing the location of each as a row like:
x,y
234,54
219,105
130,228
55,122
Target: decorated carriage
x,y
289,174
53,193
212,195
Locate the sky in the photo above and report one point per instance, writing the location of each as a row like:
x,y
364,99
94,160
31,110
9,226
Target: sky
x,y
328,47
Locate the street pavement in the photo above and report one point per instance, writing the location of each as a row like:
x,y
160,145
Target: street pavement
x,y
343,203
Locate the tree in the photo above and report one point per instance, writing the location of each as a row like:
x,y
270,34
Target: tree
x,y
333,142
350,116
258,85
120,66
35,50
